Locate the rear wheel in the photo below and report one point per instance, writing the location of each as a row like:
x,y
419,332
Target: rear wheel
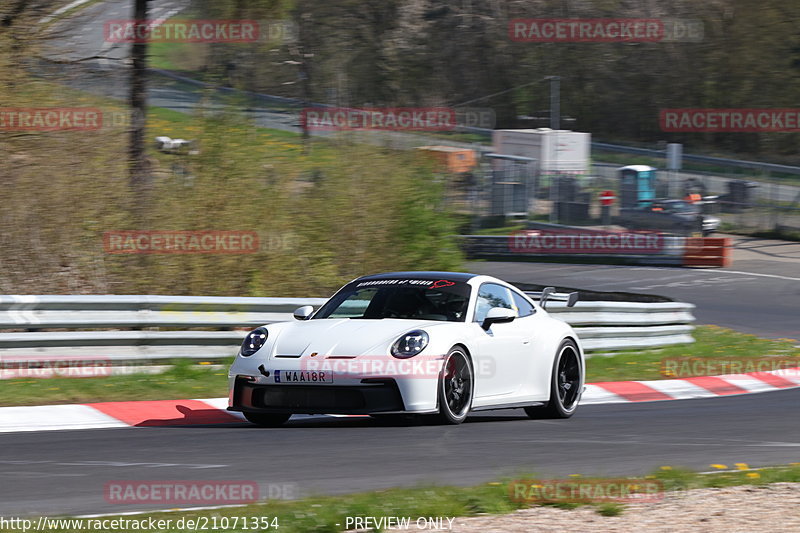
x,y
267,420
456,383
565,386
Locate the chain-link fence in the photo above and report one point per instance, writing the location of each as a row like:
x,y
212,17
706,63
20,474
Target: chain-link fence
x,y
753,203
510,187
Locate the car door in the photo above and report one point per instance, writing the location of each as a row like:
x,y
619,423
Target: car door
x,y
501,348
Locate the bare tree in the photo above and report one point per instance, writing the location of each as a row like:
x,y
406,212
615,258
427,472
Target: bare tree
x,y
139,168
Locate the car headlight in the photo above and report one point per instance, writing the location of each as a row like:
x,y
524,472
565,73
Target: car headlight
x,y
410,344
254,341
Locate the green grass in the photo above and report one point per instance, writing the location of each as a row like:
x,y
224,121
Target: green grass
x,y
505,230
676,479
184,380
329,513
610,509
190,380
243,178
712,342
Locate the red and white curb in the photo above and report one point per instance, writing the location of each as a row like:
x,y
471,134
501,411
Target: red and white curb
x,y
212,410
689,388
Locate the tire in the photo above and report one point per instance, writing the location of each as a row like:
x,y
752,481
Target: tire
x,y
566,384
267,420
455,387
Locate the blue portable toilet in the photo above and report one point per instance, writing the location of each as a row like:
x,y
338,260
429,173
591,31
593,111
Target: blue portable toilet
x,y
637,186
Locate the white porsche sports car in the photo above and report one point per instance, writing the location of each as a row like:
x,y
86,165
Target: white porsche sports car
x,y
412,343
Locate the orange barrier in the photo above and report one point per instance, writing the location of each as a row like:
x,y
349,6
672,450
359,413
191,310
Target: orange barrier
x,y
708,251
456,160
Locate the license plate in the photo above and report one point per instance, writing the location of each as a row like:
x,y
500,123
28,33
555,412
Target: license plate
x,y
303,376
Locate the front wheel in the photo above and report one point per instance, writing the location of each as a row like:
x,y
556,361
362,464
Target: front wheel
x,y
267,420
456,383
565,385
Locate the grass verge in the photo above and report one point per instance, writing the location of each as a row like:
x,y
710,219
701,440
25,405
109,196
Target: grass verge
x,y
185,379
300,201
725,346
330,513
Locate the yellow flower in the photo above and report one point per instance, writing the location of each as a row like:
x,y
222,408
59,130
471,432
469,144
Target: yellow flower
x,y
666,468
742,466
719,466
574,475
494,483
754,475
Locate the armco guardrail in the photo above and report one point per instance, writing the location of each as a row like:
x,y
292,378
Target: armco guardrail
x,y
117,328
111,311
620,325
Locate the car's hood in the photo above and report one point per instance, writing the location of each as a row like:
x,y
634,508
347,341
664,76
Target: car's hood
x,y
345,336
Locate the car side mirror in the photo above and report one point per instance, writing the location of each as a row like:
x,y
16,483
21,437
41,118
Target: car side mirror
x,y
498,315
302,313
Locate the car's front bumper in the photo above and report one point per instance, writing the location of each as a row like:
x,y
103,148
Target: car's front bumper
x,y
381,384
369,396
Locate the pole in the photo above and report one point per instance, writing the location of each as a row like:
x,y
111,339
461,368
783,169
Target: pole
x,y
605,215
555,102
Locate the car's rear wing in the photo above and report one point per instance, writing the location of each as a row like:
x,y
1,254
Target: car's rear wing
x,y
549,293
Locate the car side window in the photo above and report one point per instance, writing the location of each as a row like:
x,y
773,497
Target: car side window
x,y
492,295
524,307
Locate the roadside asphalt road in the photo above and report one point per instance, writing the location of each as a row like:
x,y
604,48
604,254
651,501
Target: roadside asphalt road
x,y
66,471
759,294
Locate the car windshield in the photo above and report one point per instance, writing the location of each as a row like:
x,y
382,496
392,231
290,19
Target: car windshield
x,y
424,299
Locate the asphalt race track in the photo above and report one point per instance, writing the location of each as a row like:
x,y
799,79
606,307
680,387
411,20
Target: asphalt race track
x,y
65,471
